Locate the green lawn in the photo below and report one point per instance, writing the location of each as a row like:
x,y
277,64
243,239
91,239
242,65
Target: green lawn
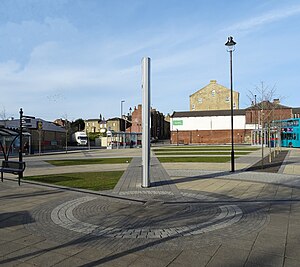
x,y
68,162
205,148
200,153
86,180
194,159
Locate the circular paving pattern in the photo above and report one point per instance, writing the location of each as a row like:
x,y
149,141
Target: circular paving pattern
x,y
152,220
156,220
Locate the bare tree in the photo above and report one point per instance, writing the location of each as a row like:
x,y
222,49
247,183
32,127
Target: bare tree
x,y
3,115
67,128
264,109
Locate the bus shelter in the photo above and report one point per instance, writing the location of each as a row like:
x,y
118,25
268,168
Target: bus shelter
x,y
265,137
10,142
117,140
259,137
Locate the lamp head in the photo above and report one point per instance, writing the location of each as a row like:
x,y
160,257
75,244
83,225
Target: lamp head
x,y
230,44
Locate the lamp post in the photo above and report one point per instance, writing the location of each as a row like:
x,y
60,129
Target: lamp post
x,y
130,118
21,142
130,124
230,44
255,116
122,101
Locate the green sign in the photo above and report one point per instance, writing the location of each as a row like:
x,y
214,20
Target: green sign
x,y
178,122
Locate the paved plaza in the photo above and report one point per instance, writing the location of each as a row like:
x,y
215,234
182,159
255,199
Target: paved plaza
x,y
194,214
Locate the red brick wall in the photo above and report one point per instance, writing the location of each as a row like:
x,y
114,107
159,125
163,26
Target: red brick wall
x,y
159,127
253,116
137,120
210,137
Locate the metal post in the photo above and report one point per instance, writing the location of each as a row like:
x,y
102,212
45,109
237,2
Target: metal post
x,y
269,141
146,121
66,137
21,142
255,117
231,106
230,45
262,139
122,101
40,140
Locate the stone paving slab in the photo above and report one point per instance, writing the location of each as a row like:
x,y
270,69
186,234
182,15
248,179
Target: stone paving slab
x,y
188,217
66,247
132,177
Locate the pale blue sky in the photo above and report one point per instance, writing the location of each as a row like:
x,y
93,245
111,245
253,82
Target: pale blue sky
x,y
80,58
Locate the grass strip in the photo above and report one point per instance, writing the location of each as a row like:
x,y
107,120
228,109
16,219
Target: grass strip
x,y
195,159
86,180
204,149
200,153
68,162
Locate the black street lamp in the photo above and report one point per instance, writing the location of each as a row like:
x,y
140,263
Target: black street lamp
x,y
230,44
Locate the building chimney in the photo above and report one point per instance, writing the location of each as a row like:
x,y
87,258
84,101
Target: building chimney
x,y
276,101
213,81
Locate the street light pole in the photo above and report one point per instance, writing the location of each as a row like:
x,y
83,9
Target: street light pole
x,y
21,142
122,101
230,48
130,122
255,118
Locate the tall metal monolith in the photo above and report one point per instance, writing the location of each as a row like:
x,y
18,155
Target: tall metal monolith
x,y
146,122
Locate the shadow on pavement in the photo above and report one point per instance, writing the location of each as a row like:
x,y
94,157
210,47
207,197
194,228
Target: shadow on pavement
x,y
267,166
37,193
190,179
9,219
86,239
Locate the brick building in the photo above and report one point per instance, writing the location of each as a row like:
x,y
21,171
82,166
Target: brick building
x,y
48,136
115,124
267,111
160,127
92,126
214,126
208,127
213,97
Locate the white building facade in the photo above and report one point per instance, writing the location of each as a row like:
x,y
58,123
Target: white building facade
x,y
209,127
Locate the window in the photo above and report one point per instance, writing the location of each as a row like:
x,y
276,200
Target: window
x,y
200,100
213,92
233,105
227,99
193,107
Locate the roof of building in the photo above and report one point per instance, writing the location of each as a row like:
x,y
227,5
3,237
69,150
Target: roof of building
x,y
207,113
32,124
268,105
296,110
115,119
92,119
